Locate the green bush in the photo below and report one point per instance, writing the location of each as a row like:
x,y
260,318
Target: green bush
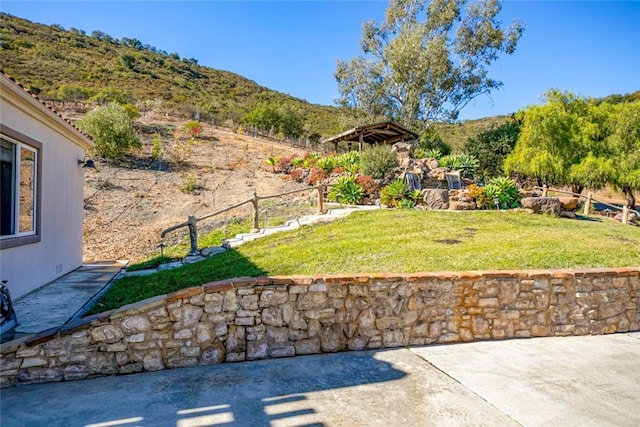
x,y
465,163
378,161
327,164
346,190
431,153
394,193
503,191
347,160
112,131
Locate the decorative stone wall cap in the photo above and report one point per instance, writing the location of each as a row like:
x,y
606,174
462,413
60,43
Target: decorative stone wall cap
x,y
13,345
303,280
390,277
76,325
467,275
628,271
539,273
43,336
221,286
184,293
139,307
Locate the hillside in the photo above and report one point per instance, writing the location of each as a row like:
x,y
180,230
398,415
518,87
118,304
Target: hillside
x,y
128,205
69,65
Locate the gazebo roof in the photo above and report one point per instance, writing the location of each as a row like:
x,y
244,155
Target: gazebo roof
x,y
385,132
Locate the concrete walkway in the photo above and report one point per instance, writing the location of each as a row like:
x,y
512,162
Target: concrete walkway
x,y
56,302
569,381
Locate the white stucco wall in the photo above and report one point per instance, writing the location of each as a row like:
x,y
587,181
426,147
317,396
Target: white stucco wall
x,y
59,251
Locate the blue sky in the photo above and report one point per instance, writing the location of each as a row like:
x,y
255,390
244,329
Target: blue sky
x,y
591,48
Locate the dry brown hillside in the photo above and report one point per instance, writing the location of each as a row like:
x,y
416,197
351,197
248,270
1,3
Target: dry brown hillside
x,y
127,206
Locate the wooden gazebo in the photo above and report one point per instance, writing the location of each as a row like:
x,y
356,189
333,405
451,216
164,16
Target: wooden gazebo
x,y
377,133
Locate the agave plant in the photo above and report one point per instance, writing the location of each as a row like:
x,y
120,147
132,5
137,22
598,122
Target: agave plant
x,y
346,190
503,191
392,194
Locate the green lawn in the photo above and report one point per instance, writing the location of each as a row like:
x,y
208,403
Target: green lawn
x,y
405,241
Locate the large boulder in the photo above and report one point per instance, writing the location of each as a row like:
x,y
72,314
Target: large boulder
x,y
457,205
435,199
569,203
548,205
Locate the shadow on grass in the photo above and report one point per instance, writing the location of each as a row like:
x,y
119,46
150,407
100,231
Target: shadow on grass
x,y
131,289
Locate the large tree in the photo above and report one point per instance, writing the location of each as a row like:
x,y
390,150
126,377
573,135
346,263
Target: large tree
x,y
492,146
426,61
576,141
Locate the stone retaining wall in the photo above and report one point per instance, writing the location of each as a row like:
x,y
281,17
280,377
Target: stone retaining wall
x,y
257,318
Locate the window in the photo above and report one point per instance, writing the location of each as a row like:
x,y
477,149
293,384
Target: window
x,y
18,191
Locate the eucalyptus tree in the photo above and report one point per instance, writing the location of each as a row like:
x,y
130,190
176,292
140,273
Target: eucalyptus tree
x,y
426,60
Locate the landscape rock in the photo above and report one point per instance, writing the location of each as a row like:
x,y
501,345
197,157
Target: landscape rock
x,y
462,206
569,203
170,266
211,251
191,259
435,199
568,214
548,205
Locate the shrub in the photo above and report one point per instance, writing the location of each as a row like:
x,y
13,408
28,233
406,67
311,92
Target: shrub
x,y
430,140
394,193
368,184
284,164
465,163
273,161
477,193
112,131
346,190
297,162
156,142
348,159
378,161
316,175
431,153
193,127
504,191
191,184
326,163
296,175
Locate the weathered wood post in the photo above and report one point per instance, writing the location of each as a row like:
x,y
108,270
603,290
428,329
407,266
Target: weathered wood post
x,y
544,190
625,214
587,204
256,217
320,210
193,233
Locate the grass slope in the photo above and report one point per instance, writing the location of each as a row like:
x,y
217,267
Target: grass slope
x,y
405,241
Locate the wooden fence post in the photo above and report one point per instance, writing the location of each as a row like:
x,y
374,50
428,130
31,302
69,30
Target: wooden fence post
x,y
193,234
256,218
544,190
625,214
587,204
320,198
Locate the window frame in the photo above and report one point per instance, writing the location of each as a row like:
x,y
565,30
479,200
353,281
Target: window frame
x,y
21,140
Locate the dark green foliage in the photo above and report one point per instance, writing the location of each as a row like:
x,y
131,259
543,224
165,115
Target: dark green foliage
x,y
491,147
431,140
378,161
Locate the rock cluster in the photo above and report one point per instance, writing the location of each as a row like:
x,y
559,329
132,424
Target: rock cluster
x,y
257,318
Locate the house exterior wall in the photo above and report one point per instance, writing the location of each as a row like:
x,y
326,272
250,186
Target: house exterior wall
x,y
59,249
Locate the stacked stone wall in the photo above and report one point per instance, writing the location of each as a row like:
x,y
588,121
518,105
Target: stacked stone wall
x,y
258,318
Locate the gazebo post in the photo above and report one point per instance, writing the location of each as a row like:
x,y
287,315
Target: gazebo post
x,y
360,141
